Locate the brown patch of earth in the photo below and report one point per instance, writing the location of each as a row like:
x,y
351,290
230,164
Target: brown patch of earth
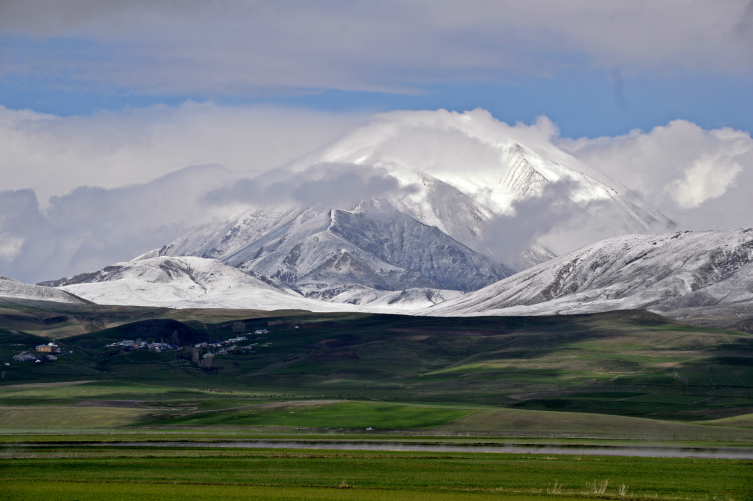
x,y
541,394
717,413
292,403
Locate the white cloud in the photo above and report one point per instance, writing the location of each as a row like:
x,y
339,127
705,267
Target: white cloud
x,y
54,155
707,178
235,46
679,168
92,227
10,246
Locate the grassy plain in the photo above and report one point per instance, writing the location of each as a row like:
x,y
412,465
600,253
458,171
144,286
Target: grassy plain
x,y
122,473
340,415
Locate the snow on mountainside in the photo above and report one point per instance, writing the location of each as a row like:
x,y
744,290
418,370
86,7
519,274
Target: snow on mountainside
x,y
14,289
183,282
458,174
409,300
432,203
324,252
489,161
194,282
657,272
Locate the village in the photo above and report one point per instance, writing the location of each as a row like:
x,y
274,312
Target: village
x,y
49,352
43,353
130,345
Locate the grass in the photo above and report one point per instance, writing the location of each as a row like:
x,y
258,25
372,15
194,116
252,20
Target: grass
x,y
94,390
67,417
124,473
744,421
124,492
576,424
348,415
627,378
59,407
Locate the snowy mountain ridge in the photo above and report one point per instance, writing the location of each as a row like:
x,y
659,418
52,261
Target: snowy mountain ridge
x,y
674,274
661,273
194,282
455,206
184,282
487,160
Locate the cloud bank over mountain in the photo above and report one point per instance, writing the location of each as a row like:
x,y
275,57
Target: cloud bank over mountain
x,y
54,155
112,199
701,178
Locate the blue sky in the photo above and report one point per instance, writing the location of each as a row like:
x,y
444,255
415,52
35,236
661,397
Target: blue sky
x,y
581,102
677,60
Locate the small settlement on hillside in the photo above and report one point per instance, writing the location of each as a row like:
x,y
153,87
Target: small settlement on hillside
x,y
42,353
224,347
48,352
131,345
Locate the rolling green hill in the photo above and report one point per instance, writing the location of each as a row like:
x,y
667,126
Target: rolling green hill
x,y
629,363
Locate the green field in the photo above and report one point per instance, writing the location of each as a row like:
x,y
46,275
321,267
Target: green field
x,y
347,415
158,474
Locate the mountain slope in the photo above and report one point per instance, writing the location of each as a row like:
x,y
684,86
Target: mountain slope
x,y
182,283
194,282
458,173
323,252
14,289
429,201
658,272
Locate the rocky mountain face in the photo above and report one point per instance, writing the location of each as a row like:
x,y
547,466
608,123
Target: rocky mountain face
x,y
702,277
324,252
667,273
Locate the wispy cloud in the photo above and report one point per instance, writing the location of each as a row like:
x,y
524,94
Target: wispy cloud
x,y
92,227
330,185
55,155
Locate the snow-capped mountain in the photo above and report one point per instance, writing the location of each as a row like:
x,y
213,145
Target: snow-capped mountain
x,y
14,289
405,301
658,272
324,252
490,162
452,219
458,174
